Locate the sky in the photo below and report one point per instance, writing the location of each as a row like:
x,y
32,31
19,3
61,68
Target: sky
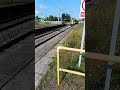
x,y
45,8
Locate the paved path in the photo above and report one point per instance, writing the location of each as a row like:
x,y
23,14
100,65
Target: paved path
x,y
12,61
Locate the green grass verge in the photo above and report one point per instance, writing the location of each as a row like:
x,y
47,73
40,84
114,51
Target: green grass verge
x,y
68,60
39,24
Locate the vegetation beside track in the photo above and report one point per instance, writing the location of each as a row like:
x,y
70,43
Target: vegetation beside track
x,y
99,24
39,24
68,61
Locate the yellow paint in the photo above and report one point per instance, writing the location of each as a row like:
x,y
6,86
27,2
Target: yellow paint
x,y
102,57
94,56
72,22
71,49
58,65
72,72
65,70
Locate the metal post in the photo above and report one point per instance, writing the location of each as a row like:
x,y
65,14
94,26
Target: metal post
x,y
46,17
58,72
61,18
82,44
58,15
113,44
71,15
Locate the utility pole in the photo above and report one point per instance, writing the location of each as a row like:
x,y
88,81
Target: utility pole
x,y
46,17
61,16
71,14
58,15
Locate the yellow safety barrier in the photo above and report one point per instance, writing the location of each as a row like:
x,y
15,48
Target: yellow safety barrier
x,y
102,57
65,70
94,56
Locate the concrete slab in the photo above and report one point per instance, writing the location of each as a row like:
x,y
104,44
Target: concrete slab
x,y
10,64
40,65
4,78
30,67
22,81
13,60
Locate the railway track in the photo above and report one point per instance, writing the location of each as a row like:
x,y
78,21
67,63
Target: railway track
x,y
45,52
45,43
16,36
15,59
10,11
14,18
23,57
15,21
14,31
46,33
16,46
40,39
13,40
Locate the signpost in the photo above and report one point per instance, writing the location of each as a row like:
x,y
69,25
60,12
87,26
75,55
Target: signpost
x,y
82,9
113,44
82,16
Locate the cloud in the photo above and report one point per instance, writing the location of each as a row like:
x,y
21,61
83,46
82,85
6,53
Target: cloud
x,y
36,12
40,9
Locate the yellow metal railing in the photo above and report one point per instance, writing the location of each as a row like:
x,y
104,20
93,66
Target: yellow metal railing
x,y
102,57
65,70
94,56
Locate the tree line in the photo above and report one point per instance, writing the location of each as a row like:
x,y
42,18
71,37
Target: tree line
x,y
65,17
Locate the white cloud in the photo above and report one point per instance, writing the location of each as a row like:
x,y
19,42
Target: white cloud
x,y
36,12
40,9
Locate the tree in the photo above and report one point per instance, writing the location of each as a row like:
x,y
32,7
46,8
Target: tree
x,y
66,17
50,18
55,19
37,18
63,16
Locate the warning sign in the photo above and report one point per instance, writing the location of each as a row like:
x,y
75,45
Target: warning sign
x,y
82,9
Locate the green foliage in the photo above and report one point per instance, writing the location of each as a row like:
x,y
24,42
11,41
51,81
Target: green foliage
x,y
37,18
68,60
66,17
52,18
74,39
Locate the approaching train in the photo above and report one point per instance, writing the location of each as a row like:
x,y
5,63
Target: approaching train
x,y
71,22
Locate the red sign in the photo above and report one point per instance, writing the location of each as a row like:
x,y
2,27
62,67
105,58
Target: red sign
x,y
82,9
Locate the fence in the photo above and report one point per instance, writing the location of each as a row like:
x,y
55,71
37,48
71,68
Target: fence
x,y
65,70
81,21
52,22
89,55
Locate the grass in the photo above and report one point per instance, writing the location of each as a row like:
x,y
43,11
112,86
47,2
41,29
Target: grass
x,y
39,24
99,24
68,60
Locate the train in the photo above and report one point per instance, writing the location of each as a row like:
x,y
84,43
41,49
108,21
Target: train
x,y
70,22
73,22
